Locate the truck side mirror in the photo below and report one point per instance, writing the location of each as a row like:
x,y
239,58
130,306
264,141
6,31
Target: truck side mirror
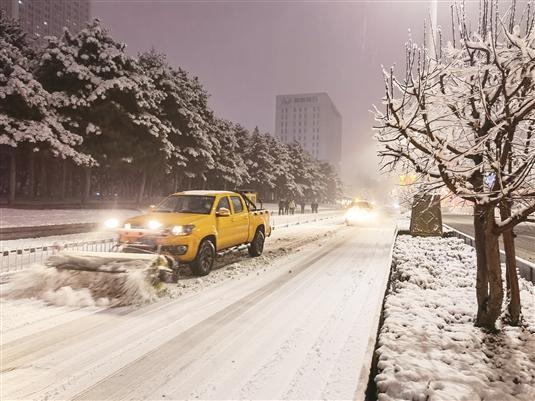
x,y
223,212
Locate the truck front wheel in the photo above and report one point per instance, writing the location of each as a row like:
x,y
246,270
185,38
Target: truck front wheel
x,y
202,265
256,247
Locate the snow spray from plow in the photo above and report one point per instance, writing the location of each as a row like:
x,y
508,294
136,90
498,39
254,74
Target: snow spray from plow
x,y
93,279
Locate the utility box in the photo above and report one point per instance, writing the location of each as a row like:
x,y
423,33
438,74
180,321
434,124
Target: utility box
x,y
426,216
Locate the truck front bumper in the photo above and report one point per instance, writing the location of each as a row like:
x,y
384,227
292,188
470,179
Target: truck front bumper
x,y
181,248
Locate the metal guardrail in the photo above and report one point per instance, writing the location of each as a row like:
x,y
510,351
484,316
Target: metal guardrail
x,y
17,259
283,221
526,269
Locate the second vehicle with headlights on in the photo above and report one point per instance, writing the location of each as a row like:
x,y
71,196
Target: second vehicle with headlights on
x,y
361,212
192,226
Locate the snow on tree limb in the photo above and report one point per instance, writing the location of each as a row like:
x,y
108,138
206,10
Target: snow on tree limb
x,y
466,116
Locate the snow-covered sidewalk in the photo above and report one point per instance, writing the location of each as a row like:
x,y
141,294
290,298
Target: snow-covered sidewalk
x,y
429,348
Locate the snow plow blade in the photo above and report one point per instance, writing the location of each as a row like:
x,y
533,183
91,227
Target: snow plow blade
x,y
108,262
118,278
95,278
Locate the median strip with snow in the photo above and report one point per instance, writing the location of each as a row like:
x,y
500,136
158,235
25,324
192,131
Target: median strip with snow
x,y
429,347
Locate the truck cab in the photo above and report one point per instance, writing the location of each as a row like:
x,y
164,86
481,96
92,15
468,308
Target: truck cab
x,y
192,226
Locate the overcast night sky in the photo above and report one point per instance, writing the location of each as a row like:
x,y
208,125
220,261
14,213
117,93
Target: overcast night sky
x,y
245,53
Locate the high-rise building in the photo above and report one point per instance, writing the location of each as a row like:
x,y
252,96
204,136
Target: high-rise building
x,y
48,17
312,120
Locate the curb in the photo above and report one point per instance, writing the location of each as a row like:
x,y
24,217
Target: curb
x,y
366,389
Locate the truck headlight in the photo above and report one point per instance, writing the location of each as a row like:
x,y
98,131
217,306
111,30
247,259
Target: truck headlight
x,y
182,230
154,224
356,215
111,223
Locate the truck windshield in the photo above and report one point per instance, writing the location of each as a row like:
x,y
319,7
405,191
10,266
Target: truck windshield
x,y
186,204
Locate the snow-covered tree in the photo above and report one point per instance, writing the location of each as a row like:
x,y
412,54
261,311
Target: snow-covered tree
x,y
28,120
330,185
282,168
105,97
230,170
464,120
184,108
196,122
138,126
260,163
301,171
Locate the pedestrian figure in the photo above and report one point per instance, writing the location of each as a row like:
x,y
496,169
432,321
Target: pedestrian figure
x,y
302,204
291,206
281,207
286,206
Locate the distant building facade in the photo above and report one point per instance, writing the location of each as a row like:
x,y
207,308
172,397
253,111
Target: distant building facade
x,y
48,17
313,120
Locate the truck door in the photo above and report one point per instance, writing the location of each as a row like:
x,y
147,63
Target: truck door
x,y
240,220
225,225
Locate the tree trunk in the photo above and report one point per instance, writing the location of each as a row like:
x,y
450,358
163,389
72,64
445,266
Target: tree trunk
x,y
513,290
491,309
31,174
63,182
142,186
482,287
43,177
86,186
68,180
12,177
179,182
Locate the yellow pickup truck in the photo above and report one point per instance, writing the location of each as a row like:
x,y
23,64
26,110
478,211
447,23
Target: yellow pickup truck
x,y
192,226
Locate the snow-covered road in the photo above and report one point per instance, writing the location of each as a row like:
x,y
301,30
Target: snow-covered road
x,y
302,327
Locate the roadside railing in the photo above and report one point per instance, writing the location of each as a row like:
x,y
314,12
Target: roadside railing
x,y
525,268
286,220
17,259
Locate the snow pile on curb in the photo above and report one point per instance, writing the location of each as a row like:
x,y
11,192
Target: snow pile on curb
x,y
81,289
429,348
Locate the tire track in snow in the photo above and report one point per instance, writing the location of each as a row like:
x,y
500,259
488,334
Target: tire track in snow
x,y
216,360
